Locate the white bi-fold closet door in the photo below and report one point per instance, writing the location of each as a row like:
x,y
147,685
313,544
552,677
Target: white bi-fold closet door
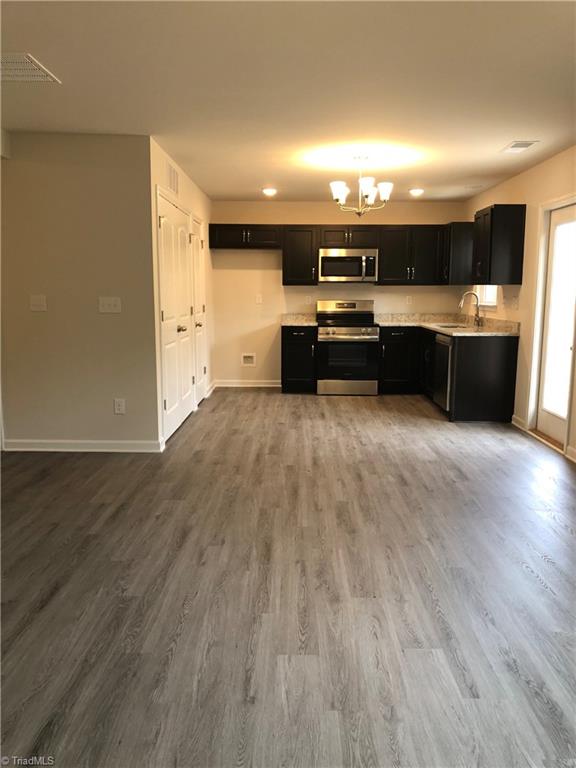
x,y
175,268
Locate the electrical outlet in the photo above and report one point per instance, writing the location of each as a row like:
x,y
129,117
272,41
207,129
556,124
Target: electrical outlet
x,y
119,406
38,303
109,304
408,299
308,300
258,298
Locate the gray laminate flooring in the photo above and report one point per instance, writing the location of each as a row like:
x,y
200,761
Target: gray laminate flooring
x,y
296,581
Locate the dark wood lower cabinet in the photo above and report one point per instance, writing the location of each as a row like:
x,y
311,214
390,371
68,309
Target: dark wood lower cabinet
x,y
478,374
399,360
483,378
427,358
299,358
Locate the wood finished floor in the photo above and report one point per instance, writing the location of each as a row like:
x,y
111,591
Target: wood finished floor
x,y
296,581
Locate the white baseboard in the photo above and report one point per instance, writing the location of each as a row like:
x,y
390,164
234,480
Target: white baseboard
x,y
210,389
86,446
250,383
520,423
571,453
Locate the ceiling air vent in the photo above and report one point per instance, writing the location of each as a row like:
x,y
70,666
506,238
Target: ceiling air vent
x,y
519,146
24,68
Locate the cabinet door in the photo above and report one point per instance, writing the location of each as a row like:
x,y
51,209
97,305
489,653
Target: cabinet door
x,y
300,256
334,237
263,236
394,255
363,237
481,248
426,248
228,236
427,350
298,359
507,244
457,249
399,360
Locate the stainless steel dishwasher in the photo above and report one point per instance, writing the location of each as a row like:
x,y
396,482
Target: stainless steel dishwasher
x,y
442,371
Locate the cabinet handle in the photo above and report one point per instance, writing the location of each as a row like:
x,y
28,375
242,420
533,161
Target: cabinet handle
x,y
298,333
412,273
312,350
243,235
383,349
397,333
408,273
248,235
313,273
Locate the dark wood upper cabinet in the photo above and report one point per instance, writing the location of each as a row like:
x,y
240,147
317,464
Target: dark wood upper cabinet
x,y
300,255
456,263
410,254
394,258
239,236
349,237
426,252
498,250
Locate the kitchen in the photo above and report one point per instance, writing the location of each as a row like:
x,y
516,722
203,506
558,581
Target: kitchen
x,y
360,257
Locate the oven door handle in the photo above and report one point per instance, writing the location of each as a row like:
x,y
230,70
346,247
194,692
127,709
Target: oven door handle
x,y
368,339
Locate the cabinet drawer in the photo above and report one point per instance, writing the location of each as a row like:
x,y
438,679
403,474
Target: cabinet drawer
x,y
299,333
398,332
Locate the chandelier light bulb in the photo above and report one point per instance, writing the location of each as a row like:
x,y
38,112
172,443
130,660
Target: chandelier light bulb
x,y
385,189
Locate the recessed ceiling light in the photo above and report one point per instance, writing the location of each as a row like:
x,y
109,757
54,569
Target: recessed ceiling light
x,y
416,192
269,191
519,146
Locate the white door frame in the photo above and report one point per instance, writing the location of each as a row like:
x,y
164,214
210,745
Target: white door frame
x,y
545,211
171,198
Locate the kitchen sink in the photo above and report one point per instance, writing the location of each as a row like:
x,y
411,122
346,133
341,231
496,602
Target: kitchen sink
x,y
451,325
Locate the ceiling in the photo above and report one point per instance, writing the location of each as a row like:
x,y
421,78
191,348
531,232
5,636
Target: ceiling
x,y
235,92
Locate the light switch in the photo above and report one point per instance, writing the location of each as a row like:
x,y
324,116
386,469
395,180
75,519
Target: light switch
x,y
38,303
109,304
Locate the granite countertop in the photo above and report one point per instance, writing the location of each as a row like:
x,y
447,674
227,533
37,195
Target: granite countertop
x,y
299,319
430,321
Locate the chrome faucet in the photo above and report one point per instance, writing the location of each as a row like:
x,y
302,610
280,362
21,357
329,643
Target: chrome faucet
x,y
477,318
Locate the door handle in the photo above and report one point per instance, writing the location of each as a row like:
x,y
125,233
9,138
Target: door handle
x,y
198,325
181,328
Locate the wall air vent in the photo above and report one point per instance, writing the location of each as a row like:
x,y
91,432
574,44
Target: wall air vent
x,y
24,68
519,146
172,179
249,359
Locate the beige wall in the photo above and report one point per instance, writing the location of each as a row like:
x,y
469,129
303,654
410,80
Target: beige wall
x,y
540,188
77,218
239,277
192,199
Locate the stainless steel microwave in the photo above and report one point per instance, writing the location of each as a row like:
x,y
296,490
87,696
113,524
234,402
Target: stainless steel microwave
x,y
347,265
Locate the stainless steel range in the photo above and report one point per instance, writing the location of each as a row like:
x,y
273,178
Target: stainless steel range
x,y
347,348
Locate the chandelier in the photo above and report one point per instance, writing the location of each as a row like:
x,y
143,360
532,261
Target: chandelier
x,y
368,191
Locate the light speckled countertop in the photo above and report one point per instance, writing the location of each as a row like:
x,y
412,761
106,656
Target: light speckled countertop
x,y
430,321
